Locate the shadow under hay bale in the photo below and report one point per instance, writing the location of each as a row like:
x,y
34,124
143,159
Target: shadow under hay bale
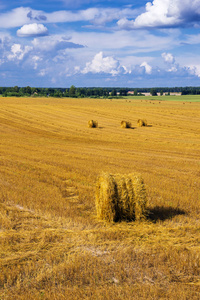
x,y
125,124
120,197
92,124
141,123
161,213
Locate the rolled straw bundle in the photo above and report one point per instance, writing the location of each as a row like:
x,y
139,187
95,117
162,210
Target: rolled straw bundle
x,y
125,124
92,124
120,197
141,123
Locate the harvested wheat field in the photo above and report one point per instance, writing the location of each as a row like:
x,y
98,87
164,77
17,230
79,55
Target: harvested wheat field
x,y
52,245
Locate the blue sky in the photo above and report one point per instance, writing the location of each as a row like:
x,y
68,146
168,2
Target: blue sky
x,y
128,43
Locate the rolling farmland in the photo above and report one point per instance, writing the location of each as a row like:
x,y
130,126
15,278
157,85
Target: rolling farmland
x,y
52,246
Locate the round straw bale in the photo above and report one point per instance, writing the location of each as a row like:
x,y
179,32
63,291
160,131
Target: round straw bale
x,y
120,197
106,197
140,196
141,122
125,124
125,197
145,122
92,124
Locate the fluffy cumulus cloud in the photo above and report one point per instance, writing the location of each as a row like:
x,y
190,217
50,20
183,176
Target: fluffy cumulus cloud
x,y
168,57
36,59
165,14
118,67
147,67
52,53
32,30
171,62
18,52
195,69
101,64
176,68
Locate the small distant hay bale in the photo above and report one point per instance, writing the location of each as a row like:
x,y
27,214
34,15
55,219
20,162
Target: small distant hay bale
x,y
141,122
92,124
120,197
125,124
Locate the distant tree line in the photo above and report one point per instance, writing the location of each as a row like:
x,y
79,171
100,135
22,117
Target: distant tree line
x,y
62,92
92,92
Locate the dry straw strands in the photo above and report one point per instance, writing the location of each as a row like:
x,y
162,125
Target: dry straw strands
x,y
125,124
92,124
141,123
120,197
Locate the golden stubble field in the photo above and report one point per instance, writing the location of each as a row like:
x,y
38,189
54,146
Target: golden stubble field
x,y
51,244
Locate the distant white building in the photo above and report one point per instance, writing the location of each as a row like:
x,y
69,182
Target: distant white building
x,y
164,93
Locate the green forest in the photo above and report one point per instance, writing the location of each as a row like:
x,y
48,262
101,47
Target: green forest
x,y
92,92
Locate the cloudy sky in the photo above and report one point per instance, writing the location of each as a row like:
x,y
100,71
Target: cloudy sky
x,y
127,43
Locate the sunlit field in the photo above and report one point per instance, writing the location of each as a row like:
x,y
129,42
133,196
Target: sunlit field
x,y
177,98
52,246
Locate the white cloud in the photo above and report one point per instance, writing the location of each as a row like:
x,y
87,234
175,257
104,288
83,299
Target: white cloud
x,y
191,62
109,14
18,52
98,16
148,68
185,67
32,30
35,59
171,63
159,13
126,70
124,41
168,57
4,36
102,64
43,72
173,69
54,44
192,39
124,23
69,16
195,69
76,69
45,44
165,13
15,18
25,15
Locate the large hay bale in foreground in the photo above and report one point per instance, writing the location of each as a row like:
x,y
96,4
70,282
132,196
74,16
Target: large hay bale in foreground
x,y
120,197
141,123
92,124
125,124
